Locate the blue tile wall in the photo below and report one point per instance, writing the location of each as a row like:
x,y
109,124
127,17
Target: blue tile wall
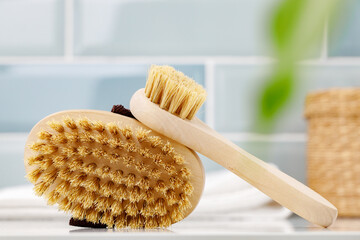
x,y
174,28
344,32
237,88
235,96
289,157
12,171
30,92
179,27
31,27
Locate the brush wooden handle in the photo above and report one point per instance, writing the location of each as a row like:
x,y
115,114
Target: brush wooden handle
x,y
198,136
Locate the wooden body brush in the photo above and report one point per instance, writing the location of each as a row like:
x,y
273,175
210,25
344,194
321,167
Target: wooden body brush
x,y
168,105
111,169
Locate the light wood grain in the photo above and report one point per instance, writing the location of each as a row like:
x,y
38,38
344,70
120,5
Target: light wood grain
x,y
192,161
197,135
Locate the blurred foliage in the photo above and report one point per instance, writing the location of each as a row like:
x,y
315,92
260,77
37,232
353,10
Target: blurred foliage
x,y
296,27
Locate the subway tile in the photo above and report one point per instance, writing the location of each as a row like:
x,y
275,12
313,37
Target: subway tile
x,y
237,92
289,157
179,27
323,77
31,27
30,92
344,31
12,171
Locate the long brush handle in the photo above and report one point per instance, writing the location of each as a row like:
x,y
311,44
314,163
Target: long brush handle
x,y
197,135
279,186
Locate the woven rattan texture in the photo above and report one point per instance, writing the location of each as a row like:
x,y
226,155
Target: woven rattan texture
x,y
333,103
333,157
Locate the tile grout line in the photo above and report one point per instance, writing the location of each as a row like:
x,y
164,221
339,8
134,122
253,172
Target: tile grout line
x,y
209,85
324,49
257,137
187,60
69,30
233,136
190,60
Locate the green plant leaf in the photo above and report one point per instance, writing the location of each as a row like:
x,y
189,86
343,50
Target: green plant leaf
x,y
274,97
284,23
297,26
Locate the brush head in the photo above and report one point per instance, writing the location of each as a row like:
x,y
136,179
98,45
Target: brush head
x,y
110,169
174,92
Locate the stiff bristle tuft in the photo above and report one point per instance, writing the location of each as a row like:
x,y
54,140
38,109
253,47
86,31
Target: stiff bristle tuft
x,y
50,176
83,151
117,176
167,148
126,132
87,137
90,168
155,141
78,211
65,204
59,139
99,126
185,172
171,196
56,126
44,135
135,194
93,184
175,182
188,188
60,161
109,173
179,159
174,92
177,214
92,215
53,197
160,208
155,173
141,134
108,189
70,123
63,187
35,160
85,124
41,187
65,173
150,195
108,219
34,175
73,137
113,129
160,186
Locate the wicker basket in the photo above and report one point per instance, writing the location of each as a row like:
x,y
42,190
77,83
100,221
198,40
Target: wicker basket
x,y
334,147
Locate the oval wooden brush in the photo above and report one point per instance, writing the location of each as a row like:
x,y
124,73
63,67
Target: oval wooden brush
x,y
111,169
168,105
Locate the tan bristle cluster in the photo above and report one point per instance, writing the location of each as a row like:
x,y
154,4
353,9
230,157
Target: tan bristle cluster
x,y
174,92
118,176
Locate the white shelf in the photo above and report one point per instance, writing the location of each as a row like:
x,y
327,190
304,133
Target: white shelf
x,y
294,228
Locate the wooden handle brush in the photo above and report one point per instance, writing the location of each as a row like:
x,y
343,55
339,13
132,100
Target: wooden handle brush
x,y
111,169
168,105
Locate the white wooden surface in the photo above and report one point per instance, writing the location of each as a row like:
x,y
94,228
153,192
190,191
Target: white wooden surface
x,y
294,228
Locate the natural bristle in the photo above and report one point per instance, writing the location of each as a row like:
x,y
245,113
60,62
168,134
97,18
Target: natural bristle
x,y
109,173
174,92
